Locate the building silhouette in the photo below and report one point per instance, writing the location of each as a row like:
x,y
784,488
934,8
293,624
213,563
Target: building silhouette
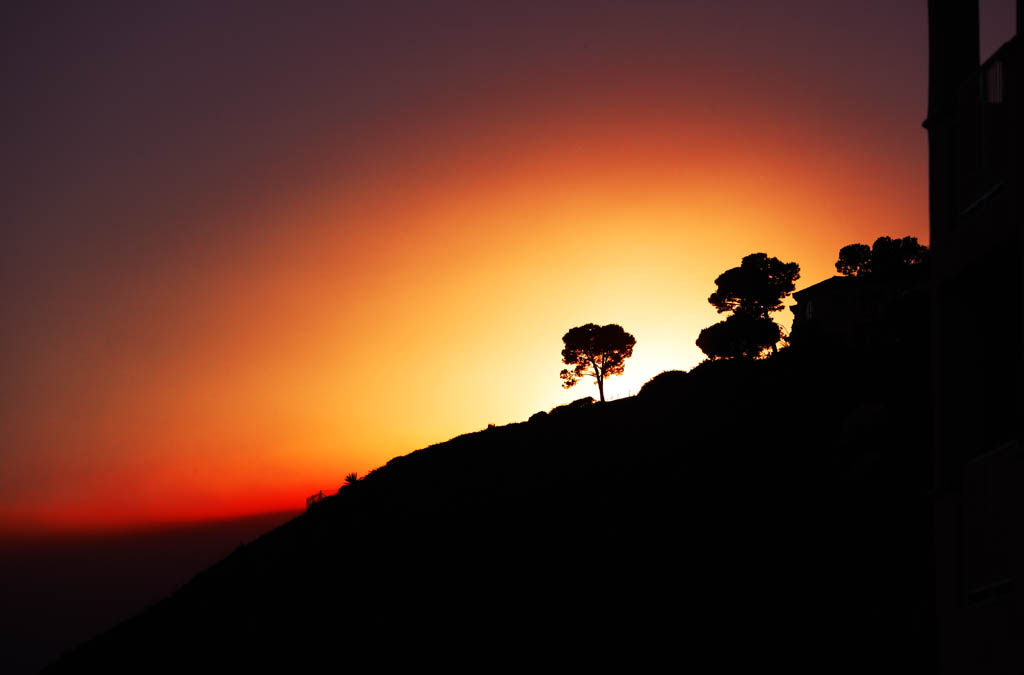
x,y
975,127
871,313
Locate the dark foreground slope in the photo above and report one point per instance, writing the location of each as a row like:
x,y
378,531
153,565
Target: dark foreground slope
x,y
58,589
753,514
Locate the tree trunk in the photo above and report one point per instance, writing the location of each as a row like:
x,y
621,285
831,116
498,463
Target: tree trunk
x,y
600,387
775,349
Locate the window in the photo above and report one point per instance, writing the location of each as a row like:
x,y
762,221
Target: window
x,y
994,82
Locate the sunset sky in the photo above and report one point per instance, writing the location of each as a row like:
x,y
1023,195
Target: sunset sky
x,y
250,247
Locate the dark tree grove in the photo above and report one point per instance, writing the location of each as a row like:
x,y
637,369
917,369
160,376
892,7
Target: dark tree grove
x,y
886,257
756,287
891,256
751,292
854,260
597,351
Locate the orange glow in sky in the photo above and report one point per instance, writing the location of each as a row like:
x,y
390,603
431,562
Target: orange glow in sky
x,y
325,299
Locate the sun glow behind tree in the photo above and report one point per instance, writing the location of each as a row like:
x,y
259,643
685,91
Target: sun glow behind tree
x,y
298,252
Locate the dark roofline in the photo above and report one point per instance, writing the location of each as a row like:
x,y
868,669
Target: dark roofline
x,y
831,281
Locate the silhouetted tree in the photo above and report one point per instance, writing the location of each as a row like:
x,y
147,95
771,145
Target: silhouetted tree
x,y
891,256
598,351
352,478
756,287
739,336
886,257
854,260
753,290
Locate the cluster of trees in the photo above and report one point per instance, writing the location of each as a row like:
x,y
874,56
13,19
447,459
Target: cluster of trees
x,y
757,287
886,257
750,293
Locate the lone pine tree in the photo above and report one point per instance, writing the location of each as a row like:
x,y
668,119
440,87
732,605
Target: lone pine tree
x,y
598,351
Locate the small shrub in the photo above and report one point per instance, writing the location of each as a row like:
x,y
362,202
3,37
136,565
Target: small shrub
x,y
668,382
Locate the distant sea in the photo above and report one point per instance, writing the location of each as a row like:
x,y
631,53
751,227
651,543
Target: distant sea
x,y
58,590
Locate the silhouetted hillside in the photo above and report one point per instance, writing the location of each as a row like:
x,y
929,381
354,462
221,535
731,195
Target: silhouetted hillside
x,y
746,513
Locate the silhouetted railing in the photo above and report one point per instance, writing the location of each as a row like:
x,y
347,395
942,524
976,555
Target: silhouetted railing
x,y
315,499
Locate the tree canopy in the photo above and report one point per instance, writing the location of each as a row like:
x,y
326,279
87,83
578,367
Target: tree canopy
x,y
886,257
756,287
739,336
854,260
751,292
597,351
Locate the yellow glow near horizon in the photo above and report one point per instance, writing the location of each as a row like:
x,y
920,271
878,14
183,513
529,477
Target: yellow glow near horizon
x,y
365,314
